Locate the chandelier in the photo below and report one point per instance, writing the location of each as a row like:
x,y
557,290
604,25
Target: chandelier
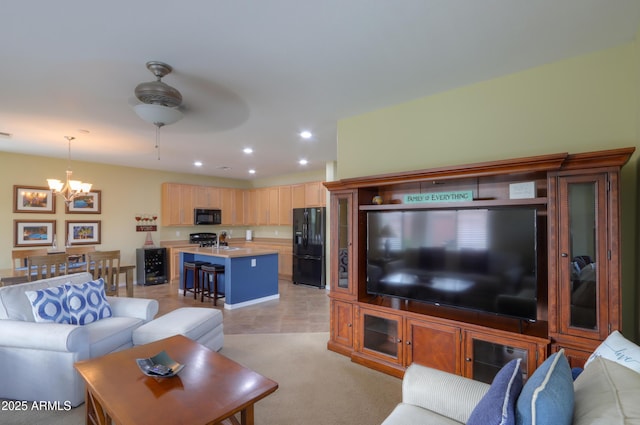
x,y
70,189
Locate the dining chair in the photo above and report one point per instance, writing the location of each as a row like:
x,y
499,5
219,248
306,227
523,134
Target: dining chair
x,y
105,264
19,256
46,266
79,252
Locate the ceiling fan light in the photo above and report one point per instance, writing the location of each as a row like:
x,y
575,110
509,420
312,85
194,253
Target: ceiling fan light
x,y
157,114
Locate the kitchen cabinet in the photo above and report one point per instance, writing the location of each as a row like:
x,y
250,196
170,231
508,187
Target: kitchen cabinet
x,y
310,194
284,204
177,204
207,197
250,207
232,206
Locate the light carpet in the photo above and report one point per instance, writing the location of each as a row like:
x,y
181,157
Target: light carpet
x,y
316,386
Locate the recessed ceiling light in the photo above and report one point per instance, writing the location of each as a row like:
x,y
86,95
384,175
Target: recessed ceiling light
x,y
306,134
198,164
252,171
247,150
303,162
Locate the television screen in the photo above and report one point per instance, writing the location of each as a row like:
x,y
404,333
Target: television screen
x,y
480,259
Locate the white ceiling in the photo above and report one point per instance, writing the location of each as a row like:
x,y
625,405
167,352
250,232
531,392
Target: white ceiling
x,y
253,73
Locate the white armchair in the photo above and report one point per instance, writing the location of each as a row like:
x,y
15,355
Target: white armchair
x,y
37,358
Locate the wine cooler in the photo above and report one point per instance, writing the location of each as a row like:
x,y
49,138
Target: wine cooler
x,y
151,266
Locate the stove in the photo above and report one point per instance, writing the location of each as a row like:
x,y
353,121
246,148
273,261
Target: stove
x,y
203,239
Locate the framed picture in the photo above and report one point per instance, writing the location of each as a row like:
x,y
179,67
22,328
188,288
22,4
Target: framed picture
x,y
86,204
32,199
33,232
83,232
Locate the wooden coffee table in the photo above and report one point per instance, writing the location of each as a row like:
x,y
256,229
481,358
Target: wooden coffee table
x,y
210,388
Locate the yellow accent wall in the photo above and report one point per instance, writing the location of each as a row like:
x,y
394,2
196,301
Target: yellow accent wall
x,y
582,104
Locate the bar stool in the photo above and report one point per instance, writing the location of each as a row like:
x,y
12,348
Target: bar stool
x,y
193,266
210,273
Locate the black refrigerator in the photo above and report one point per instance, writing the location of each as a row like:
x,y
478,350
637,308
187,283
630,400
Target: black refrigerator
x,y
308,246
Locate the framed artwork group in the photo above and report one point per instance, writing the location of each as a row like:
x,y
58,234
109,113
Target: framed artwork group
x,y
35,199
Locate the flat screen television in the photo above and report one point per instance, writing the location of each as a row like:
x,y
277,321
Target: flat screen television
x,y
478,259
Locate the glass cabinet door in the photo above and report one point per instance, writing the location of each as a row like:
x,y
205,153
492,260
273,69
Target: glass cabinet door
x,y
381,335
582,254
342,226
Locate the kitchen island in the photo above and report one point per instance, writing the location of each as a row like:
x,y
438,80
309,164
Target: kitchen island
x,y
250,276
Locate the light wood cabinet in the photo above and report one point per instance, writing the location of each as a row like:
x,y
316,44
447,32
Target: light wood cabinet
x,y
578,299
177,204
315,194
311,194
298,196
232,206
207,197
173,256
285,216
269,206
250,207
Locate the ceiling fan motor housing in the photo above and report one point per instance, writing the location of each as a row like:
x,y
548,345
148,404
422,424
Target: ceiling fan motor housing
x,y
157,92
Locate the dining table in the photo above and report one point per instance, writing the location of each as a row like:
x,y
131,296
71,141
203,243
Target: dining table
x,y
20,275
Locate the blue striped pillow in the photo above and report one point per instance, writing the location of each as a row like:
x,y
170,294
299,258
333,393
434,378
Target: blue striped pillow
x,y
498,405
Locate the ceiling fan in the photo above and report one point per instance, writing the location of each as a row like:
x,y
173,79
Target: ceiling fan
x,y
160,101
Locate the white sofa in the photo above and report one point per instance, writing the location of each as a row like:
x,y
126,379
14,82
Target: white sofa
x,y
605,393
37,358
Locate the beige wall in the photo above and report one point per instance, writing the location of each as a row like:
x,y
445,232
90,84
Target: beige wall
x,y
583,104
125,192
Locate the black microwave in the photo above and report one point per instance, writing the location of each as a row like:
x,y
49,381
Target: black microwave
x,y
207,216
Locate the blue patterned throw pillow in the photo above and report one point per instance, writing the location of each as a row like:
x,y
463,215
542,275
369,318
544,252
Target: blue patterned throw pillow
x,y
50,305
88,302
498,406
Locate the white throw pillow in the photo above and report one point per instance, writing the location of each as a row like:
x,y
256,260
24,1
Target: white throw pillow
x,y
88,302
618,349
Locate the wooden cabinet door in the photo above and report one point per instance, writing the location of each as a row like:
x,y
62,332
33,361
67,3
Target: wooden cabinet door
x,y
238,210
434,345
263,206
342,234
273,209
285,216
250,207
285,262
227,205
207,197
177,204
485,354
314,194
342,323
297,196
380,335
585,284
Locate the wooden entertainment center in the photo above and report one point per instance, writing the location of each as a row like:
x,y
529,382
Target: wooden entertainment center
x,y
577,197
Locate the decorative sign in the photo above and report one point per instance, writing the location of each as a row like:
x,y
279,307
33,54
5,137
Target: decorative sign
x,y
457,196
524,190
146,222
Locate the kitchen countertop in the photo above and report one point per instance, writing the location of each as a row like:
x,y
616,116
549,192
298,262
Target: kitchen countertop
x,y
227,252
